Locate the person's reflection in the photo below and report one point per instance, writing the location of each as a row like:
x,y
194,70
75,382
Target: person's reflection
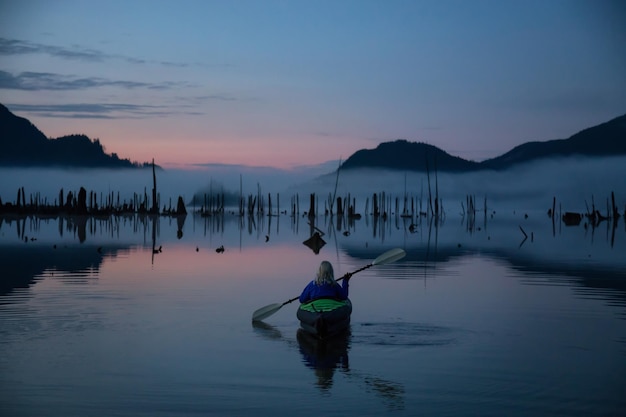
x,y
324,356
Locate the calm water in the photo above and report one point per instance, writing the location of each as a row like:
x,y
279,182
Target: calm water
x,y
471,322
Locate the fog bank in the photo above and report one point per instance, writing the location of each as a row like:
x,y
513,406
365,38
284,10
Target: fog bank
x,y
573,181
171,183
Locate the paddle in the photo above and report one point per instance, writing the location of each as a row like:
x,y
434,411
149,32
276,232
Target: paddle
x,y
386,258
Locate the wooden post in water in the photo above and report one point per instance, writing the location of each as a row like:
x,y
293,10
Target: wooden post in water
x,y
485,213
375,204
383,201
241,204
155,206
430,200
312,205
436,190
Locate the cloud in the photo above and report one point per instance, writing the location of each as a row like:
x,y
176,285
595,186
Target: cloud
x,y
18,47
37,81
93,111
76,53
215,97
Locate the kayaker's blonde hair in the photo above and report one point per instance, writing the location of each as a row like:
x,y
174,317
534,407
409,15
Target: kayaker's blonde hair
x,y
325,274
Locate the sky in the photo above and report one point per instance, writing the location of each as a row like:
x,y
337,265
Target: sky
x,y
287,84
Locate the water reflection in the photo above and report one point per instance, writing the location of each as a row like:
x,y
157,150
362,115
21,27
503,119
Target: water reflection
x,y
22,266
586,256
483,334
325,357
428,232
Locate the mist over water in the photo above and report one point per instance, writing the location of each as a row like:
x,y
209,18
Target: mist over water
x,y
531,186
474,320
171,183
574,182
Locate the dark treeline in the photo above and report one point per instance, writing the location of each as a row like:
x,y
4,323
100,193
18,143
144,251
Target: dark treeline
x,y
82,203
23,145
86,203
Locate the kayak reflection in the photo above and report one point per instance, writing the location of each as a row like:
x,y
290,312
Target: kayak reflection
x,y
327,356
324,356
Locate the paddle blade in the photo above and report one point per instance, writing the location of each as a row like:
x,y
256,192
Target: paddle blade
x,y
266,311
390,256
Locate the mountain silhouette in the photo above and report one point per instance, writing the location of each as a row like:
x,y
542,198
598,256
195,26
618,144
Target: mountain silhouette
x,y
606,139
408,156
23,145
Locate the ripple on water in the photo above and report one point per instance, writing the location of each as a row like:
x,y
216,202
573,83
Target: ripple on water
x,y
403,334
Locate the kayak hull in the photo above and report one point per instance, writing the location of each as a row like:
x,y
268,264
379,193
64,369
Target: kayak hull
x,y
325,318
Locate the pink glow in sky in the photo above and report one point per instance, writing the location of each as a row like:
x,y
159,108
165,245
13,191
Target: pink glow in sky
x,y
281,84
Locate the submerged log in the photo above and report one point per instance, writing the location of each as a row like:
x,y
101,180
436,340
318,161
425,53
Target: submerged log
x,y
572,219
180,207
81,207
315,242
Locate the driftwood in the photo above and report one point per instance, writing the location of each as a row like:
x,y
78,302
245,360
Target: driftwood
x,y
572,219
315,242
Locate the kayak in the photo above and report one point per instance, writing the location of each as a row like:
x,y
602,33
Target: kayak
x,y
325,317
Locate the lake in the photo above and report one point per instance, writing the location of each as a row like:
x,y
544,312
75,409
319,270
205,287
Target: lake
x,y
514,316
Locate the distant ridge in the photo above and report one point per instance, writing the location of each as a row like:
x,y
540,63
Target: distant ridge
x,y
606,139
408,156
23,145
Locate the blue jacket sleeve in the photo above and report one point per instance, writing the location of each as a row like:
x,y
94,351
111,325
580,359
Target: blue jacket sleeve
x,y
306,293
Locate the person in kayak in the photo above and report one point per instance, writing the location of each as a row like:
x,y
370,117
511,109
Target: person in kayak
x,y
325,286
